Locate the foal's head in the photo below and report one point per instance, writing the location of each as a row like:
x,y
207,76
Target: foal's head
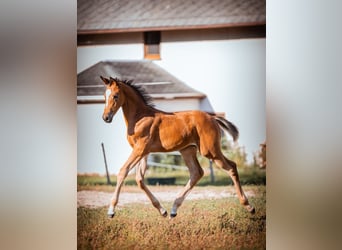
x,y
113,98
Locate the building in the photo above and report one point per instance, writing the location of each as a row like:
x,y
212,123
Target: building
x,y
214,46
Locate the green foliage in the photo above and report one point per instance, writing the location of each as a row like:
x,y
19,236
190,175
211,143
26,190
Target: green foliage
x,y
248,176
200,224
234,152
101,180
172,159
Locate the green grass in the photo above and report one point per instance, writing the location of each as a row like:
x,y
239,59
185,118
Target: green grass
x,y
200,224
248,176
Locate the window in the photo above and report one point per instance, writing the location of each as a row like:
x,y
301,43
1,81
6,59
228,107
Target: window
x,y
152,45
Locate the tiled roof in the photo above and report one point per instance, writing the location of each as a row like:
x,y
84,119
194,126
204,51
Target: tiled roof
x,y
125,15
155,80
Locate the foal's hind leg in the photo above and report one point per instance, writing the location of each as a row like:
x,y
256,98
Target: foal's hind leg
x,y
196,173
230,167
140,173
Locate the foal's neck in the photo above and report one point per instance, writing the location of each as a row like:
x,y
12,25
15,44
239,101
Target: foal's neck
x,y
134,108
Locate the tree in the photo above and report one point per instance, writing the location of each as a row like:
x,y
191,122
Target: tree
x,y
234,152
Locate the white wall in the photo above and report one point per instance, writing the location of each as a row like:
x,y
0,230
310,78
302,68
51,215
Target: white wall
x,y
92,131
89,55
230,72
177,104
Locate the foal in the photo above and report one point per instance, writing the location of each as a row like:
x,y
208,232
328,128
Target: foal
x,y
153,130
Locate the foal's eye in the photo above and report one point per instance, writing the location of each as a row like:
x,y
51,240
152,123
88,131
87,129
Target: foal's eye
x,y
115,97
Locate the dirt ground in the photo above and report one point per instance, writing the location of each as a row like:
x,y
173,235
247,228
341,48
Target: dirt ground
x,y
132,194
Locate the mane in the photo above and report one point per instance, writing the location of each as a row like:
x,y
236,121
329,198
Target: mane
x,y
139,90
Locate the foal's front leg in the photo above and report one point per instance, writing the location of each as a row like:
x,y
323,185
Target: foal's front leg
x,y
129,164
140,173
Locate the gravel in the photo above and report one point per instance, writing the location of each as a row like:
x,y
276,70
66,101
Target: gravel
x,y
94,199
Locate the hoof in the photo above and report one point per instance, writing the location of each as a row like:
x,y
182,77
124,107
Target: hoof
x,y
173,216
110,212
251,209
164,214
110,215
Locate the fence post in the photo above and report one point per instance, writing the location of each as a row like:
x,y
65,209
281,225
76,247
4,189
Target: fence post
x,y
105,161
212,177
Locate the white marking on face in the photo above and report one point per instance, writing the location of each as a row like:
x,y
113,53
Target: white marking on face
x,y
108,92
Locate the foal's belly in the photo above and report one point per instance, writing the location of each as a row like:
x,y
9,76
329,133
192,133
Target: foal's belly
x,y
174,135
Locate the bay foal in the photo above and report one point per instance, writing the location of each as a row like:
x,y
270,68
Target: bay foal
x,y
153,130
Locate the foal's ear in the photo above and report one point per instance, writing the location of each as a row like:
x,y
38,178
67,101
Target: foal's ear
x,y
113,79
105,80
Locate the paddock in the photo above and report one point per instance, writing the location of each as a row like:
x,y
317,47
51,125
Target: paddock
x,y
211,218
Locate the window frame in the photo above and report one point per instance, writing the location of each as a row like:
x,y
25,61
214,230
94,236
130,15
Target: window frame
x,y
152,38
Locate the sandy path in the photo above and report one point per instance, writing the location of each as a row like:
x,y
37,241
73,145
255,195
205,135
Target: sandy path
x,y
95,199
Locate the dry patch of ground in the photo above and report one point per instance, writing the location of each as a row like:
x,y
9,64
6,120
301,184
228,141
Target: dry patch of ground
x,y
132,194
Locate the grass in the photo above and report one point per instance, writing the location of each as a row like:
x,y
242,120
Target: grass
x,y
248,176
200,224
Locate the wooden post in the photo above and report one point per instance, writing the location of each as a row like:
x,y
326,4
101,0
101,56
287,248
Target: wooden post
x,y
105,161
212,177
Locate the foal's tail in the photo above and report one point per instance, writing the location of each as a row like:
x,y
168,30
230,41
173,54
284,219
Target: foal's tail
x,y
227,126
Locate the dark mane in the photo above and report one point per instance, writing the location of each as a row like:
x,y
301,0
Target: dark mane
x,y
139,90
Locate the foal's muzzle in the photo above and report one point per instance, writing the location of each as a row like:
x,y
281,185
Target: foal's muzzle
x,y
108,117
